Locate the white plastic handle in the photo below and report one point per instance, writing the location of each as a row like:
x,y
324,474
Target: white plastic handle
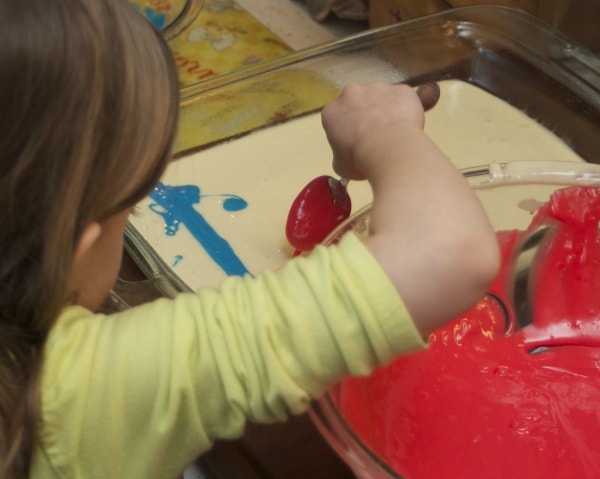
x,y
539,172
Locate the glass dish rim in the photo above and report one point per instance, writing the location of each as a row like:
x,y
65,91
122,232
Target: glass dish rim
x,y
473,15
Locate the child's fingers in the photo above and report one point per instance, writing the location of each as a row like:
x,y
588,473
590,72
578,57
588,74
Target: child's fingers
x,y
361,110
429,94
345,168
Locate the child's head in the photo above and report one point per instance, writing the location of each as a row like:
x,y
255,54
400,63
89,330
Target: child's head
x,y
89,100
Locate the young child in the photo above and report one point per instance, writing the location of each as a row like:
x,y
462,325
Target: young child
x,y
89,99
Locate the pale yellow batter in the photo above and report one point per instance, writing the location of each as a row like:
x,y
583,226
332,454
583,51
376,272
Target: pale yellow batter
x,y
268,167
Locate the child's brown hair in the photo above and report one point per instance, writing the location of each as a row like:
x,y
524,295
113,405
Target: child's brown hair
x,y
89,101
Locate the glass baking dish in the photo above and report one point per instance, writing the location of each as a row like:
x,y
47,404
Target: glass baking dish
x,y
171,17
507,52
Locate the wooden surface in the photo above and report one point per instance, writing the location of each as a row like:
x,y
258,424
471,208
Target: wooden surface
x,y
290,450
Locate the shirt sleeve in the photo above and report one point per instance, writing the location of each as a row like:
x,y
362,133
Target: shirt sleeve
x,y
143,392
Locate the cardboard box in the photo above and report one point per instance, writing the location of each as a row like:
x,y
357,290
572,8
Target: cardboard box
x,y
579,19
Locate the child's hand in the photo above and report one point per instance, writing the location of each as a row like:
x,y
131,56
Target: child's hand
x,y
360,111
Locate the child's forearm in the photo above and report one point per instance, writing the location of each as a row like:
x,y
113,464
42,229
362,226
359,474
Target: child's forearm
x,y
428,230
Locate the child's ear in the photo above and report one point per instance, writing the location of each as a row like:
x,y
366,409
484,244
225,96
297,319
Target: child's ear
x,y
88,238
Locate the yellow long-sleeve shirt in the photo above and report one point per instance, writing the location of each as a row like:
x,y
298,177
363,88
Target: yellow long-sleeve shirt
x,y
140,394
